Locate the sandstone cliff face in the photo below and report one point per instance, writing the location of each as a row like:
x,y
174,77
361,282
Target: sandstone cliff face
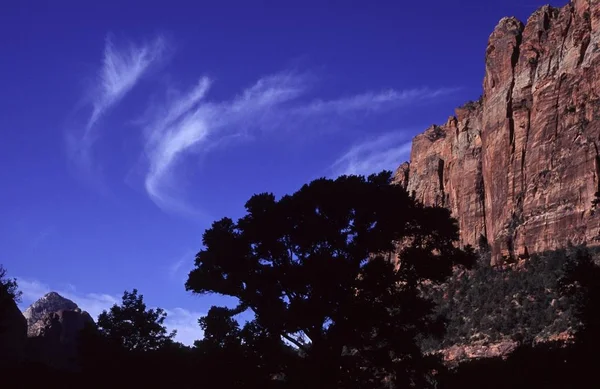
x,y
521,166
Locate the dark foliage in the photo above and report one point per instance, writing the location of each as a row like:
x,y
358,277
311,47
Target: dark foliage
x,y
581,283
105,364
548,365
489,304
315,270
332,308
9,290
240,357
9,295
132,326
130,347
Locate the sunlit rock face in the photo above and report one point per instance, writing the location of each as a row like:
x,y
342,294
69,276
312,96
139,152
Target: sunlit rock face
x,y
521,166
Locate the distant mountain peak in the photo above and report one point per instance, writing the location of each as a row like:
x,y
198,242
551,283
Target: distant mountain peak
x,y
49,303
52,295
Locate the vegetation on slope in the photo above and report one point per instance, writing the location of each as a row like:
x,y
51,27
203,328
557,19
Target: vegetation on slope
x,y
521,302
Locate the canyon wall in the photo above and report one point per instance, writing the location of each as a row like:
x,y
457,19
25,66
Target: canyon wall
x,y
520,167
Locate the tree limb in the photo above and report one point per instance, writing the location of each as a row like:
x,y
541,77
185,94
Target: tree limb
x,y
295,342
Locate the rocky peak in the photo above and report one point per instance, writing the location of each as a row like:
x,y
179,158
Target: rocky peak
x,y
50,303
54,324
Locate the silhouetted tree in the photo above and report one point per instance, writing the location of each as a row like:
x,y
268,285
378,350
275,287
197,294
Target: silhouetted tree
x,y
133,326
108,364
9,295
238,357
318,270
9,289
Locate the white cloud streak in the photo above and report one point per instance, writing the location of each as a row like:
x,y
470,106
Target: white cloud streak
x,y
183,126
180,319
193,124
121,70
179,267
385,152
122,67
175,267
374,102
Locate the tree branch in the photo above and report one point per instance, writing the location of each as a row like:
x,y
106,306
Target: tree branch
x,y
295,342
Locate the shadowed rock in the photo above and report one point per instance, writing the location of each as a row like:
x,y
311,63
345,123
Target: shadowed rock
x,y
53,326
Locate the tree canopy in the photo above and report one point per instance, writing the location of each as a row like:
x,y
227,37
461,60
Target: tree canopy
x,y
581,281
9,290
335,270
133,326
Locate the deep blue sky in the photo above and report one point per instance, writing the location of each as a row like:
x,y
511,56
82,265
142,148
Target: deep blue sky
x,y
128,127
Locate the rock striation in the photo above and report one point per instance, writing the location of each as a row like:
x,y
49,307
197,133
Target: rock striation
x,y
520,167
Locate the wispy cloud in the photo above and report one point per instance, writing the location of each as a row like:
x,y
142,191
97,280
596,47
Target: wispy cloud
x,y
180,319
191,123
374,102
122,67
194,124
183,125
175,267
121,70
179,267
385,152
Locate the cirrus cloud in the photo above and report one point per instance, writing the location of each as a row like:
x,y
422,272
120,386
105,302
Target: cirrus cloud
x,y
384,152
122,68
194,124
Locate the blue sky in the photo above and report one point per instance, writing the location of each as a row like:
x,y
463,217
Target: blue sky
x,y
128,127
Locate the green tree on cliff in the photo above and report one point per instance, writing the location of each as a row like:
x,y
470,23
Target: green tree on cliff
x,y
315,269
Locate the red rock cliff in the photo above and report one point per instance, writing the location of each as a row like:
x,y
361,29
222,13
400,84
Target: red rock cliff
x,y
521,166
